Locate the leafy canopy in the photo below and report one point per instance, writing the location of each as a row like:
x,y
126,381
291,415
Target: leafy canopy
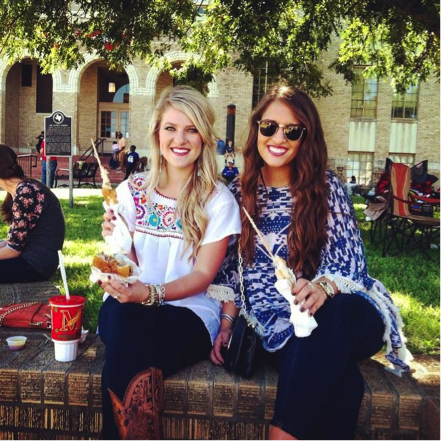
x,y
393,38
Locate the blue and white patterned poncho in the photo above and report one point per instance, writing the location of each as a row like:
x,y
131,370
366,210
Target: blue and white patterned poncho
x,y
342,261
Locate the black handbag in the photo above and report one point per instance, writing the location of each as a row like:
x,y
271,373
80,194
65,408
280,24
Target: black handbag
x,y
243,349
244,346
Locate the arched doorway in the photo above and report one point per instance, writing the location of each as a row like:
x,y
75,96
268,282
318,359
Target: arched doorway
x,y
28,99
113,105
104,105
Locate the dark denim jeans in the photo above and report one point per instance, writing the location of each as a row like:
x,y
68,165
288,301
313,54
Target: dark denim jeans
x,y
320,386
52,168
137,338
19,270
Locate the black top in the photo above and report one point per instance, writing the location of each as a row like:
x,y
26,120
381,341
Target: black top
x,y
38,227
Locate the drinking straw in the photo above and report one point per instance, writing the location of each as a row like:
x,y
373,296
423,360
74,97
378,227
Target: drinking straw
x,y
63,274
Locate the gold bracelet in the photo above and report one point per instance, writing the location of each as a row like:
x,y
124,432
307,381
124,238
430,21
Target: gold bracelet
x,y
151,299
327,288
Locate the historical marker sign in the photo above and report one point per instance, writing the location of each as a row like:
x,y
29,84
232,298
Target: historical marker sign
x,y
58,134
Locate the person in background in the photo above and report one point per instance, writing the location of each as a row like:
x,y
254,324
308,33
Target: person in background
x,y
229,152
39,138
143,165
352,188
53,164
181,219
114,164
220,146
132,161
122,150
306,218
37,228
230,171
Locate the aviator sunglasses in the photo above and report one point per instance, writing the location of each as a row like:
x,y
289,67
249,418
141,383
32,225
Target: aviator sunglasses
x,y
292,132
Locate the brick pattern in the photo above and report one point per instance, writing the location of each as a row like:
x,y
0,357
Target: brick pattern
x,y
41,398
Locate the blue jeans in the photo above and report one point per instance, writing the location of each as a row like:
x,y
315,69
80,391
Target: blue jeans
x,y
52,167
137,338
320,387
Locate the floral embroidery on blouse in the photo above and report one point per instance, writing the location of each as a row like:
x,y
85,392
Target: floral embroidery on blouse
x,y
27,206
342,260
156,216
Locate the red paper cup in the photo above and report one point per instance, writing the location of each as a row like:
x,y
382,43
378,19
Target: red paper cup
x,y
67,317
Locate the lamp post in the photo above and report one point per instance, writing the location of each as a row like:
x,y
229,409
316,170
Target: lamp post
x,y
231,122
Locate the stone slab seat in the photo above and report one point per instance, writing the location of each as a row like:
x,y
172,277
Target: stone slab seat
x,y
41,398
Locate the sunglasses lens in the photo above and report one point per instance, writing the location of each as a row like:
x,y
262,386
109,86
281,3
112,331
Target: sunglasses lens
x,y
267,128
293,133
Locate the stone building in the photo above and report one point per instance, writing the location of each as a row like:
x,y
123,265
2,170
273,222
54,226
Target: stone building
x,y
364,123
101,101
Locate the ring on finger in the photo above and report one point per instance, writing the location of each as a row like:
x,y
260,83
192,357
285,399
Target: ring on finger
x,y
118,296
311,285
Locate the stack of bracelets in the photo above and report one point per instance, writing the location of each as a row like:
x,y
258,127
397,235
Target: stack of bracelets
x,y
228,317
156,296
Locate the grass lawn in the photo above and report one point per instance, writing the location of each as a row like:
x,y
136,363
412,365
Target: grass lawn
x,y
413,281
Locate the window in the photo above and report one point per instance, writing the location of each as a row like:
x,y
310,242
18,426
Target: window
x,y
364,96
360,165
261,83
44,92
108,124
403,158
405,105
125,122
122,94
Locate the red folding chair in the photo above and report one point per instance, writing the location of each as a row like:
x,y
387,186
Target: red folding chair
x,y
407,230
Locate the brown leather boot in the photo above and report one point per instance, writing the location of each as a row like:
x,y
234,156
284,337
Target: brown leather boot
x,y
138,416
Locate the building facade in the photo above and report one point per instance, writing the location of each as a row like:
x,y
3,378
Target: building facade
x,y
102,102
364,123
367,122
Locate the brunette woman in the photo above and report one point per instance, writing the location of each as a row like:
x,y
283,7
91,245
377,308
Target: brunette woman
x,y
36,225
308,219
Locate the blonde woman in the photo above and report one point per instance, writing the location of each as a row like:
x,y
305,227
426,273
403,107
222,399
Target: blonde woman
x,y
182,219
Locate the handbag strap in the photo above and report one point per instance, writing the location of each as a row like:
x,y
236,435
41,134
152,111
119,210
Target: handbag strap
x,y
243,310
15,308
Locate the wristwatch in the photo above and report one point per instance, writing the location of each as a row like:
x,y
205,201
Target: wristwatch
x,y
328,288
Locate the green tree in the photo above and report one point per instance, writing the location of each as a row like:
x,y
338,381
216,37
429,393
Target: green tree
x,y
393,38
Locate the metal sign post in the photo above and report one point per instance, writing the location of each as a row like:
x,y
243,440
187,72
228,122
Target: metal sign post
x,y
58,142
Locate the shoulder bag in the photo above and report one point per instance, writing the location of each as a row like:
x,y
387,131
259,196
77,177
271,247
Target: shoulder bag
x,y
26,315
244,346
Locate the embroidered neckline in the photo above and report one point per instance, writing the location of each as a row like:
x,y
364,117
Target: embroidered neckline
x,y
163,196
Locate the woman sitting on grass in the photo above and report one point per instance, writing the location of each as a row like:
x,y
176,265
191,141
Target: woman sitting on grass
x,y
36,220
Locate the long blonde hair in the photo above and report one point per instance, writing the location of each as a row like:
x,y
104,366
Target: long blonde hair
x,y
198,188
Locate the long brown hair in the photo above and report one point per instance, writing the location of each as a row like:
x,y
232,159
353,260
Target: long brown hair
x,y
9,169
307,234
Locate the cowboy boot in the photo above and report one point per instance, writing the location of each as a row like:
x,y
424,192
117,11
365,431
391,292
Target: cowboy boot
x,y
138,416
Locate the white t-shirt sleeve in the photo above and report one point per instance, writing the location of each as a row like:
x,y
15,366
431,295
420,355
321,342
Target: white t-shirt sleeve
x,y
125,200
223,216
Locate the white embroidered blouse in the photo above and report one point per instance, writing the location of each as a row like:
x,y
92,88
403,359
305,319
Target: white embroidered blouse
x,y
159,241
